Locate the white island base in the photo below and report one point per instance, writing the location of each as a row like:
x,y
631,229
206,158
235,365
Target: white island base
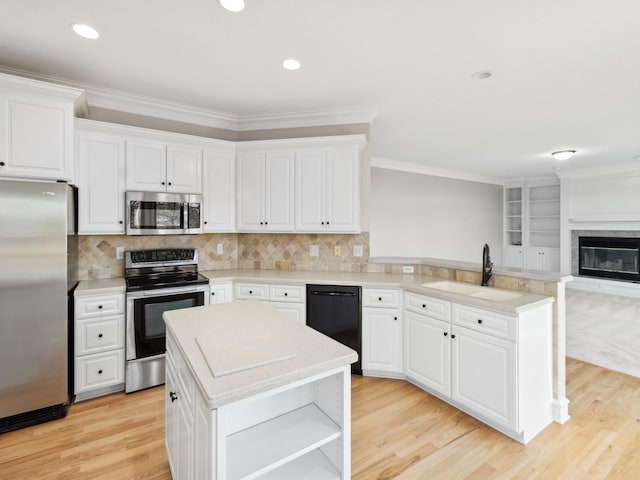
x,y
283,419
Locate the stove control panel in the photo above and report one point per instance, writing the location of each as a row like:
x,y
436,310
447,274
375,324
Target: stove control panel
x,y
168,255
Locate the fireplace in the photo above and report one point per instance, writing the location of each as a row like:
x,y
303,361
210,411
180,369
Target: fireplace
x,y
609,257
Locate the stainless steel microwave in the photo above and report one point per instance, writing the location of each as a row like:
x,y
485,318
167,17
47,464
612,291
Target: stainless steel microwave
x,y
158,213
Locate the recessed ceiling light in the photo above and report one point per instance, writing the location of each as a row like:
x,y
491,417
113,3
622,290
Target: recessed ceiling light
x,y
563,154
482,75
233,5
85,31
291,64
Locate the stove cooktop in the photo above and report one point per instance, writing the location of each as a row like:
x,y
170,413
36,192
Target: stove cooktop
x,y
153,282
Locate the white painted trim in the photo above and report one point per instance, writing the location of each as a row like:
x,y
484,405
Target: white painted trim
x,y
560,410
121,101
359,140
312,118
600,171
389,164
161,135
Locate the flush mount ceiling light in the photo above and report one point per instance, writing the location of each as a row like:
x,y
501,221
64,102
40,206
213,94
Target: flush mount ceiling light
x,y
85,31
233,5
563,154
291,64
482,75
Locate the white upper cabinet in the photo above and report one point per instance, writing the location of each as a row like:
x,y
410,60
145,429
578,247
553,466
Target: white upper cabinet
x,y
328,189
36,129
101,158
265,191
154,166
219,189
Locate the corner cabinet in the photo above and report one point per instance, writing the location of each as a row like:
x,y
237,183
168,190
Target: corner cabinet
x,y
37,129
298,431
265,191
328,189
495,367
532,224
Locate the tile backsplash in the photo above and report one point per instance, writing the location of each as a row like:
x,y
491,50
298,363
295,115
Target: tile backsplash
x,y
97,253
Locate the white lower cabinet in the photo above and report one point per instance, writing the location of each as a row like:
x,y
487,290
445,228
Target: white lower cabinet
x,y
220,292
298,431
494,366
98,344
381,332
288,299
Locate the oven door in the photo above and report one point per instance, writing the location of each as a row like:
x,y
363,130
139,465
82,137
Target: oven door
x,y
146,332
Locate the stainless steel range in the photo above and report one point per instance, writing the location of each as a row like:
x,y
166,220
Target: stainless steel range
x,y
157,281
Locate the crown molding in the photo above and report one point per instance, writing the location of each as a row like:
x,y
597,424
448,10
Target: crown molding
x,y
309,118
599,171
121,101
389,164
356,141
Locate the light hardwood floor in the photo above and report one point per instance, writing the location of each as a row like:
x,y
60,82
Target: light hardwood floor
x,y
398,432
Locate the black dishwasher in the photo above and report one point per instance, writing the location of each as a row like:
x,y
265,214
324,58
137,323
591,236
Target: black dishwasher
x,y
336,312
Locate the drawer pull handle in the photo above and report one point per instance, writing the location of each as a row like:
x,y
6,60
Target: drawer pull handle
x,y
424,305
100,372
99,335
453,336
379,299
99,307
250,292
286,294
173,396
479,320
445,334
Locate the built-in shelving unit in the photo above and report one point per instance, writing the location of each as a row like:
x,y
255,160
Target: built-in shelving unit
x,y
544,216
513,215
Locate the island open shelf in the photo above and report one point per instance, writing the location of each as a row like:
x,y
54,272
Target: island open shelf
x,y
288,419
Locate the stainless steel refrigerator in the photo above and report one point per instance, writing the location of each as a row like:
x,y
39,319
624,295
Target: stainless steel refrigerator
x,y
38,265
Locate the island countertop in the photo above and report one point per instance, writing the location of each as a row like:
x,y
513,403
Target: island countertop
x,y
250,332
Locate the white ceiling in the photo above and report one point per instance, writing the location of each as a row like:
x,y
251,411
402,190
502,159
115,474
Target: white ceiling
x,y
566,73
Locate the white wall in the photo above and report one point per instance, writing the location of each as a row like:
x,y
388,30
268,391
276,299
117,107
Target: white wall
x,y
414,215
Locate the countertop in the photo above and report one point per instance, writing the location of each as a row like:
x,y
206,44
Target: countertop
x,y
409,282
251,324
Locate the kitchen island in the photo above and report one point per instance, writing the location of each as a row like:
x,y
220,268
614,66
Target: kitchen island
x,y
253,394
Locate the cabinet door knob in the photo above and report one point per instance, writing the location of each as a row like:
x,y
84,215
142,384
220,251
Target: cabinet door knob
x,y
321,223
99,307
120,222
100,372
379,299
286,294
162,183
261,223
1,164
99,335
479,320
445,334
327,222
169,183
250,292
395,318
424,305
173,396
205,222
213,293
266,223
453,336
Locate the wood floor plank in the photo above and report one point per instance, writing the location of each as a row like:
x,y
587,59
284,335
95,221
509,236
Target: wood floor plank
x,y
398,432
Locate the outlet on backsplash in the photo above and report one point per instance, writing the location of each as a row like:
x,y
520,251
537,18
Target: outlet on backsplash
x,y
313,250
337,250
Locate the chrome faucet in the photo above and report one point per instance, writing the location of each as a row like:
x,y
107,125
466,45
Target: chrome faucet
x,y
487,265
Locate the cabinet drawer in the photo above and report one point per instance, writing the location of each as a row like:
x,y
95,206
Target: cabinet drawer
x,y
432,307
287,293
381,297
99,370
480,320
99,306
252,291
99,334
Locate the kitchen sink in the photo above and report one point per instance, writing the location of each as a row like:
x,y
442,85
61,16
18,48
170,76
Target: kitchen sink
x,y
476,291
